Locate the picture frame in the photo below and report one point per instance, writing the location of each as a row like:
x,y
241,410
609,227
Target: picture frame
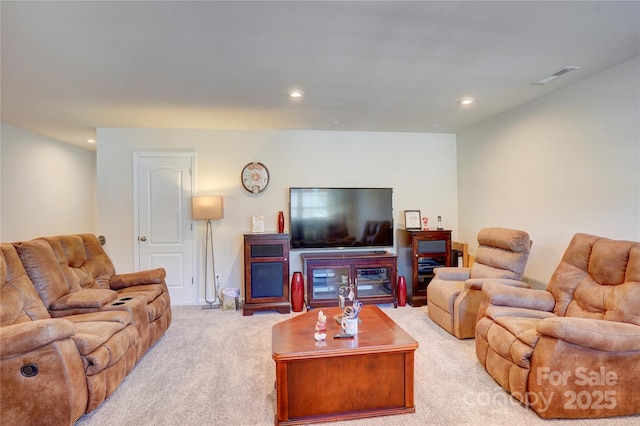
x,y
258,223
412,220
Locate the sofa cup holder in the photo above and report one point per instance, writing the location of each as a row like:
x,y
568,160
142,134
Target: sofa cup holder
x,y
29,370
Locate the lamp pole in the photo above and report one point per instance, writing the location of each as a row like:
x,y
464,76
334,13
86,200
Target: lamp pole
x,y
209,239
208,208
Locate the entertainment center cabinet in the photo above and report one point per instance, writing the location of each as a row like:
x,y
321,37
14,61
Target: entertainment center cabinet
x,y
370,274
266,273
419,252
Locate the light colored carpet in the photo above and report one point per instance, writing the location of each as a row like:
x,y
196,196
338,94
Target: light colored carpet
x,y
215,368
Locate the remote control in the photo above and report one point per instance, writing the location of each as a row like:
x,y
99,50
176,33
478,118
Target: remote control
x,y
343,336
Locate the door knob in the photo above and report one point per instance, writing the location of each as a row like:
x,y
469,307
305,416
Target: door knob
x,y
143,238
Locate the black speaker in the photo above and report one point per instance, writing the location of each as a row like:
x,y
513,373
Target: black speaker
x,y
266,250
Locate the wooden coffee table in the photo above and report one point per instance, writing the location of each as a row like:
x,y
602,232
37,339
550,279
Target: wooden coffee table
x,y
370,375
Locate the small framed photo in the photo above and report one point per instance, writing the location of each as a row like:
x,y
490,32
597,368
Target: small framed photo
x,y
412,220
258,223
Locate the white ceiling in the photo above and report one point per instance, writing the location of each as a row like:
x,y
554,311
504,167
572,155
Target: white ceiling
x,y
70,67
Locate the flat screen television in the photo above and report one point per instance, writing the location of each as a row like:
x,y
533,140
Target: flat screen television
x,y
340,218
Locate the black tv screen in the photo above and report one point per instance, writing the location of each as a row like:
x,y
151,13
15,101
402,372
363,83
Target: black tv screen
x,y
340,217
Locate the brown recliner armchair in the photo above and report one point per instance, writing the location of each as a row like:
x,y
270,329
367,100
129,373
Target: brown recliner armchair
x,y
572,350
454,294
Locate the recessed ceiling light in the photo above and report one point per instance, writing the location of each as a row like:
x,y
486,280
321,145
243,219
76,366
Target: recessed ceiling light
x,y
295,94
466,101
91,141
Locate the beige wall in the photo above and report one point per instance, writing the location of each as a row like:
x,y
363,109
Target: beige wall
x,y
47,187
420,167
568,162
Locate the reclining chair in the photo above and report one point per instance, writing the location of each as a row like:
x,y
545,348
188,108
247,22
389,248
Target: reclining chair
x,y
454,294
572,350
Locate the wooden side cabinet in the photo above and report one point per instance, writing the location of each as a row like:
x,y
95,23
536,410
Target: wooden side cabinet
x,y
419,252
266,273
370,275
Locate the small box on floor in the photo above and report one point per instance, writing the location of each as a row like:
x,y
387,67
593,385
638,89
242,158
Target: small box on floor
x,y
230,299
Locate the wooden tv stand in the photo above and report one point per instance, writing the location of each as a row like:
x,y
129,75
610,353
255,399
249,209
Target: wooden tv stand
x,y
370,274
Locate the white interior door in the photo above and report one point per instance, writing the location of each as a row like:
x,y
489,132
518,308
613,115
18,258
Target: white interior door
x,y
164,233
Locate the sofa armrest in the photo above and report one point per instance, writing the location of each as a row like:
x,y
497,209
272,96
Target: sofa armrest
x,y
498,294
123,317
449,273
602,335
476,283
153,276
22,338
495,312
88,298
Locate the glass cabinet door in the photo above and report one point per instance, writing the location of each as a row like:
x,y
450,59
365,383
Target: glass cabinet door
x,y
327,281
375,281
426,266
370,277
431,254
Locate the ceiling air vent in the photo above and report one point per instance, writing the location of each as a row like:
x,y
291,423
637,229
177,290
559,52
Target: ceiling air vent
x,y
561,71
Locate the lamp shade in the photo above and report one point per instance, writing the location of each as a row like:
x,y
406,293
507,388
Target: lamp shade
x,y
207,207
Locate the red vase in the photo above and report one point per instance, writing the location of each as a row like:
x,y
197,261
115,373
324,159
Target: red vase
x,y
297,292
402,291
280,222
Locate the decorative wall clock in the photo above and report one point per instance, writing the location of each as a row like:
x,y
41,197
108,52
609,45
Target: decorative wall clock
x,y
255,177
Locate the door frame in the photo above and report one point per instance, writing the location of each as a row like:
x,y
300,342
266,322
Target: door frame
x,y
136,209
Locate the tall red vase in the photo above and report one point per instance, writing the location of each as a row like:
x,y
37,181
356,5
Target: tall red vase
x,y
402,291
297,292
280,222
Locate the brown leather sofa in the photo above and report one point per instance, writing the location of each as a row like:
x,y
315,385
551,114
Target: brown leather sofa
x,y
86,266
67,338
572,350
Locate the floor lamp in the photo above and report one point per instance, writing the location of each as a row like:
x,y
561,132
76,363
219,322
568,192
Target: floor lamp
x,y
208,208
